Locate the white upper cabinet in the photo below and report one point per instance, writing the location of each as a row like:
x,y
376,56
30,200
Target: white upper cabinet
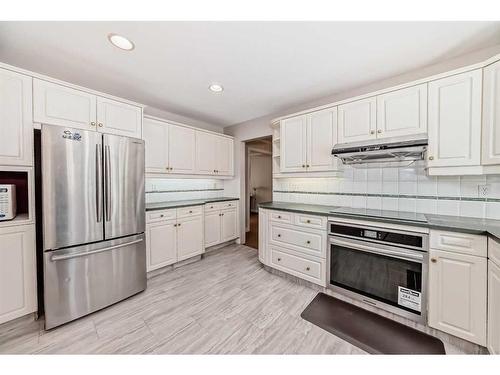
x,y
60,105
225,150
455,120
206,155
402,112
156,141
293,144
491,115
357,121
321,137
181,149
16,139
118,118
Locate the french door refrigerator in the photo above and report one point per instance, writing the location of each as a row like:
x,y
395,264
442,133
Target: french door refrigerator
x,y
94,250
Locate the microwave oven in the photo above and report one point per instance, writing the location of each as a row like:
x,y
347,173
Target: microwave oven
x,y
7,202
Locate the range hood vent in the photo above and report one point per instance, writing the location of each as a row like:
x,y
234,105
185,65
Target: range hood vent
x,y
387,153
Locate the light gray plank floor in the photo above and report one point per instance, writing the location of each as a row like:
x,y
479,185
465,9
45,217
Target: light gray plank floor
x,y
224,304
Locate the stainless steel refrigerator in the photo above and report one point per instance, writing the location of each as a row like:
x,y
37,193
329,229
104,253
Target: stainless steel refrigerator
x,y
94,251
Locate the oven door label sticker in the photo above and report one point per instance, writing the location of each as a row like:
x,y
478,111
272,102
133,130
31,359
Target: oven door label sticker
x,y
409,298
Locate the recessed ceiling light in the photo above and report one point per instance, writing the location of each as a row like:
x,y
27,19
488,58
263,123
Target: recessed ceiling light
x,y
121,42
215,87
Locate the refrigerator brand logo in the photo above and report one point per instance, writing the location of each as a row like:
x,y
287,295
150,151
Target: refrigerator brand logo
x,y
72,136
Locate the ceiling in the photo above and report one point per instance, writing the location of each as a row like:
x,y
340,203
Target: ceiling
x,y
265,67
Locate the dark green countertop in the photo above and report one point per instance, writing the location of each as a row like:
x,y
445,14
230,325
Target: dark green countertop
x,y
443,222
185,203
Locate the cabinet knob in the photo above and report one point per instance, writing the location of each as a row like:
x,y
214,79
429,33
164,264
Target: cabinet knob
x,y
279,235
303,165
431,157
162,215
307,165
372,132
308,268
308,242
92,123
190,212
100,124
379,131
279,259
211,206
434,260
279,216
308,221
175,225
179,224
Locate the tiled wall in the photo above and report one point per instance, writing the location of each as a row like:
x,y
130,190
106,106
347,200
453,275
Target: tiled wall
x,y
403,189
165,189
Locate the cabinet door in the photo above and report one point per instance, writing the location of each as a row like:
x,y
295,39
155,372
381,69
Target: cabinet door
x,y
17,272
161,244
206,155
156,146
455,120
181,149
189,237
212,228
491,115
119,118
293,144
229,225
16,123
402,112
263,221
493,308
60,105
321,137
225,151
357,121
457,295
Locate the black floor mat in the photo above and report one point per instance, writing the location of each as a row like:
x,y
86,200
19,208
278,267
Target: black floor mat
x,y
368,331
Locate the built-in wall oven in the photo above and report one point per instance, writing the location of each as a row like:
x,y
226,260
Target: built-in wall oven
x,y
381,266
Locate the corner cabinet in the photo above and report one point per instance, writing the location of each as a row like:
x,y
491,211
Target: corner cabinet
x,y
491,115
455,120
17,272
307,142
56,104
16,140
214,154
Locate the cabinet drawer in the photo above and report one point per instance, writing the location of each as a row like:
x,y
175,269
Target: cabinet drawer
x,y
311,243
462,243
308,269
189,211
494,250
230,204
282,217
154,216
310,221
209,207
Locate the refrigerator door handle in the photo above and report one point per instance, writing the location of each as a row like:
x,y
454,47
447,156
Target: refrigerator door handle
x,y
98,174
55,258
107,183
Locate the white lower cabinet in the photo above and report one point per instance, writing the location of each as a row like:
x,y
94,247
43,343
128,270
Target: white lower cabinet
x,y
294,243
457,294
173,235
493,307
17,272
221,222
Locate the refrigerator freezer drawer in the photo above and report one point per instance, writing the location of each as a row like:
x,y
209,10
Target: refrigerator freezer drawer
x,y
84,279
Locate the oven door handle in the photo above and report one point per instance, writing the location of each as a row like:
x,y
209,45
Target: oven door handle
x,y
373,248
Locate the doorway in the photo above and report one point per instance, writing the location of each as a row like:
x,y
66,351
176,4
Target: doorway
x,y
258,184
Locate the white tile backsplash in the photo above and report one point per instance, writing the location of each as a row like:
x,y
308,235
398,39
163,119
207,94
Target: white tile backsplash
x,y
166,190
411,185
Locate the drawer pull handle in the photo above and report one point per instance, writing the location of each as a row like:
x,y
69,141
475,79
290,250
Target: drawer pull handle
x,y
433,260
308,221
308,242
279,259
279,235
308,269
162,215
279,216
190,212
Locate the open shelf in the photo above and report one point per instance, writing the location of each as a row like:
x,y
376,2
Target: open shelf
x,y
22,178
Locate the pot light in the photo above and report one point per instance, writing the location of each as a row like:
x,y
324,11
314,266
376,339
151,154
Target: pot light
x,y
215,87
121,42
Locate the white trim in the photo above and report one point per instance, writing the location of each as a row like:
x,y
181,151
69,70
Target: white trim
x,y
190,176
67,84
434,77
377,224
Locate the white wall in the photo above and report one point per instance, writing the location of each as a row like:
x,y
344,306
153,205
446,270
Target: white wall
x,y
261,177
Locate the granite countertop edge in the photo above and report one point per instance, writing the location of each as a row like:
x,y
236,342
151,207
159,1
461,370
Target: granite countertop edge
x,y
185,203
434,221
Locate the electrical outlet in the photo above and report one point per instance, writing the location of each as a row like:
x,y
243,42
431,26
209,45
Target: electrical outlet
x,y
483,191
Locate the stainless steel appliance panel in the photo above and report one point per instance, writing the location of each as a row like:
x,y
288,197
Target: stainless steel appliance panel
x,y
83,279
71,186
124,208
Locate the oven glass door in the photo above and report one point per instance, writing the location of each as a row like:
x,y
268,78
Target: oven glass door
x,y
394,281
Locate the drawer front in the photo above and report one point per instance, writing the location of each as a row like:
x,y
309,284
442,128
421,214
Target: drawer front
x,y
306,242
308,269
154,216
281,217
494,250
189,211
229,204
462,243
210,207
310,221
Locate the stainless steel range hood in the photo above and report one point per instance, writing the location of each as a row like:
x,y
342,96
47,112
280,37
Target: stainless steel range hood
x,y
389,152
